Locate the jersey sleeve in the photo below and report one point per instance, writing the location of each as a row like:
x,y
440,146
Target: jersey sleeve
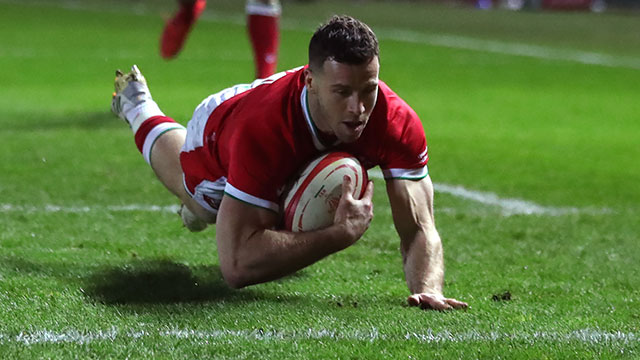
x,y
405,151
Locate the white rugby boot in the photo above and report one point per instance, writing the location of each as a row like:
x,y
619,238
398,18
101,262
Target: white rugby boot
x,y
132,100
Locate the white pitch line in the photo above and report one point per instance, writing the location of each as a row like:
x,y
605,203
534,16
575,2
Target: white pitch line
x,y
409,36
49,208
587,336
512,206
516,49
507,206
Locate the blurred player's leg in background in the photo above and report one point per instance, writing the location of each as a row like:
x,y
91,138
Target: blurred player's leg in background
x,y
264,33
178,27
262,25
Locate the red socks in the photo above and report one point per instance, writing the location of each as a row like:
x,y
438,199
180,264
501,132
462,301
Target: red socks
x,y
264,35
177,28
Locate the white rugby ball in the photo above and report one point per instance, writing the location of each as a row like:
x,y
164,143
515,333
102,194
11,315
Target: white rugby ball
x,y
311,202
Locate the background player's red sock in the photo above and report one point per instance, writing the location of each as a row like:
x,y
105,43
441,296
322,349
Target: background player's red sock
x,y
177,28
262,25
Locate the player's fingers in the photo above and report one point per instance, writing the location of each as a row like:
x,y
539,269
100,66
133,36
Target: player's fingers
x,y
457,304
119,72
414,300
368,193
347,187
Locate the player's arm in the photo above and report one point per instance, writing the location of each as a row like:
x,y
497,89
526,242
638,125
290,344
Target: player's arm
x,y
412,209
252,250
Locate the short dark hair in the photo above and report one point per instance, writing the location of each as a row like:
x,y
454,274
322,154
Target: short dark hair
x,y
343,39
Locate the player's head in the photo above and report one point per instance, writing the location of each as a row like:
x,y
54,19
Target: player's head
x,y
342,78
343,39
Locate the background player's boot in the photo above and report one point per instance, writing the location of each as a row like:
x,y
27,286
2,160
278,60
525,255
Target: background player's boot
x,y
132,100
177,28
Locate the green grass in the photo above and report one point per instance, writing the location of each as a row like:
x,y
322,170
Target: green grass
x,y
118,284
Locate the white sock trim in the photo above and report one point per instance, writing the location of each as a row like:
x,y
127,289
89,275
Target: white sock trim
x,y
154,134
256,8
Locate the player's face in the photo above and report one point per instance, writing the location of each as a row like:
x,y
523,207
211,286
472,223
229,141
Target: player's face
x,y
342,97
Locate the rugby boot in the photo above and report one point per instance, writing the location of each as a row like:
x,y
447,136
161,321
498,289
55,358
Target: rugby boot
x,y
132,100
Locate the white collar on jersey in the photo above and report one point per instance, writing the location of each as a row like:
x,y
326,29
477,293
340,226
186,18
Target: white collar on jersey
x,y
304,101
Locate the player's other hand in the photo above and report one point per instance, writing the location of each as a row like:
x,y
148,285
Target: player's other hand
x,y
433,301
354,215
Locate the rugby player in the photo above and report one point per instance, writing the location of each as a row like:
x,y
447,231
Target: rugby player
x,y
262,27
243,144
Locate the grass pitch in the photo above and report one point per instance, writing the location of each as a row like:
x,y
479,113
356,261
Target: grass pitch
x,y
94,264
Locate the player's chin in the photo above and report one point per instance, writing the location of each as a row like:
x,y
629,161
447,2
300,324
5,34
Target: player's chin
x,y
349,139
351,133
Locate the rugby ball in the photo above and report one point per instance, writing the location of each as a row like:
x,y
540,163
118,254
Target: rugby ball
x,y
313,198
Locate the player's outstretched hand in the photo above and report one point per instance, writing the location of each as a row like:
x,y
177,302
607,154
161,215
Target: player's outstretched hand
x,y
435,302
354,215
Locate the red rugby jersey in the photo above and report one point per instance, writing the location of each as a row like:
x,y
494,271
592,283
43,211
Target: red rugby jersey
x,y
258,136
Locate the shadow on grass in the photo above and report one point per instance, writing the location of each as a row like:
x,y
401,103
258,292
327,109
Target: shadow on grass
x,y
89,120
145,282
141,284
160,282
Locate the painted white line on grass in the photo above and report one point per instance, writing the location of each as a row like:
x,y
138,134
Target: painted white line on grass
x,y
516,49
49,208
512,206
409,36
587,336
507,206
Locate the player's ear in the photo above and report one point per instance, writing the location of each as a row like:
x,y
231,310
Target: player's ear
x,y
309,79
